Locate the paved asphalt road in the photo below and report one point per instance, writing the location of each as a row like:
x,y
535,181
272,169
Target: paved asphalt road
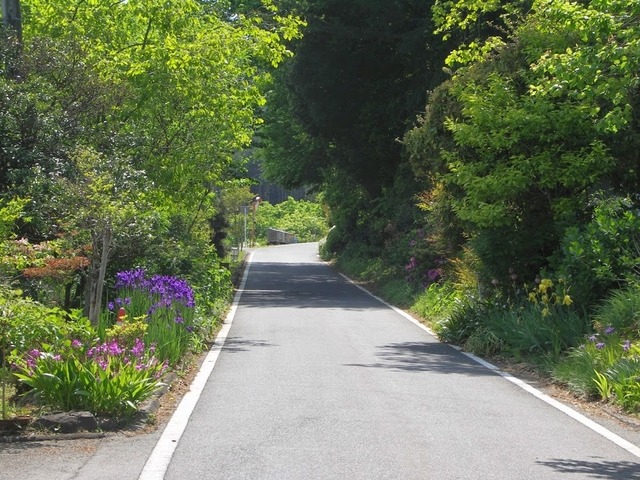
x,y
318,380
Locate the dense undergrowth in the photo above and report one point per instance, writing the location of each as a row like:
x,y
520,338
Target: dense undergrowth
x,y
56,360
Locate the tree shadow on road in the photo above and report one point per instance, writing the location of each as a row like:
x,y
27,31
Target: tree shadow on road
x,y
595,469
283,285
238,344
425,357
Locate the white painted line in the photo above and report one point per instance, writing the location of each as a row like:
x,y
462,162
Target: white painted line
x,y
396,309
479,360
158,462
596,427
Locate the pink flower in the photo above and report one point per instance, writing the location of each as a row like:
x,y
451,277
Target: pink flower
x,y
138,348
434,274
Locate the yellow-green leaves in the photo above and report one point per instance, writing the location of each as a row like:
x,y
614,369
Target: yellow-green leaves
x,y
474,51
461,14
460,18
10,212
598,61
194,76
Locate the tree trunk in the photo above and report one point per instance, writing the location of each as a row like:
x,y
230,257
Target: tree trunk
x,y
98,271
67,296
11,16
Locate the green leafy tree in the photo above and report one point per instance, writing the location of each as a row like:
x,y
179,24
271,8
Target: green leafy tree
x,y
196,76
304,219
105,200
167,91
10,212
526,137
358,78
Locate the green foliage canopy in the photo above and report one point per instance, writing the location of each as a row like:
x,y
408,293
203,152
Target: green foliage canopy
x,y
195,77
533,124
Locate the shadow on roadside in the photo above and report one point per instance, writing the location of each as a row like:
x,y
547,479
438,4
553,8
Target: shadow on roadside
x,y
595,469
425,357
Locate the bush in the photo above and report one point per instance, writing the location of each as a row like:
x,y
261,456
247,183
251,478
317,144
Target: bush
x,y
359,261
397,292
422,267
605,253
212,285
335,241
436,304
466,317
532,330
545,323
32,325
577,371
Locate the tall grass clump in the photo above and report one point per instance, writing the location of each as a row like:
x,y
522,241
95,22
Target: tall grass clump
x,y
436,304
607,365
105,378
544,323
621,310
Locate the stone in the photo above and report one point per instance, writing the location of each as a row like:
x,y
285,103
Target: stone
x,y
67,422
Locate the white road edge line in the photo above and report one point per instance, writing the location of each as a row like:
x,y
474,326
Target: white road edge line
x,y
587,422
158,462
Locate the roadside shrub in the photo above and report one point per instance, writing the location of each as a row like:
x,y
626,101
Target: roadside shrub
x,y
397,292
463,273
422,266
436,304
531,329
604,253
504,252
31,325
576,371
484,342
356,259
545,322
467,316
335,241
212,285
542,324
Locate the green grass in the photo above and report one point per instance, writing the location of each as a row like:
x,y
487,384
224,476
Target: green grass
x,y
621,310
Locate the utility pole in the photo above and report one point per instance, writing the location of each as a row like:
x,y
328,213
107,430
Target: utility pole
x,y
11,17
245,209
254,206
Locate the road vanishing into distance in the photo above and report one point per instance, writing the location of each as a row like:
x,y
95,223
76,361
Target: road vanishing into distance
x,y
317,379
